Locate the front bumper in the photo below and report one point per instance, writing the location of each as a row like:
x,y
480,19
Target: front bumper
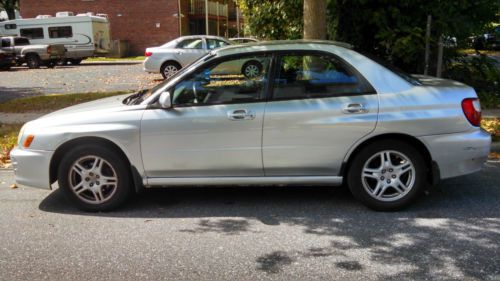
x,y
460,153
31,167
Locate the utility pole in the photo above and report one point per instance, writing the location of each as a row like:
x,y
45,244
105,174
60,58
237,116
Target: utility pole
x,y
218,31
238,20
427,44
180,17
206,17
440,56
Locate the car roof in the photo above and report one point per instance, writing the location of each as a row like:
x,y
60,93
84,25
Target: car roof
x,y
277,45
200,36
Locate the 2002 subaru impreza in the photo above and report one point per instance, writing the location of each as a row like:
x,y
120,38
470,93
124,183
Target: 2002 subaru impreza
x,y
312,113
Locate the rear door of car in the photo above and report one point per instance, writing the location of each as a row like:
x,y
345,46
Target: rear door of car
x,y
320,107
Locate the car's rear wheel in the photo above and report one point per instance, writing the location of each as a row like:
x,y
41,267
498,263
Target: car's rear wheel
x,y
94,178
252,69
169,69
387,175
33,61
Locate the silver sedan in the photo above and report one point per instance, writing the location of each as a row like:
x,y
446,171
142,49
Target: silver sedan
x,y
312,113
176,54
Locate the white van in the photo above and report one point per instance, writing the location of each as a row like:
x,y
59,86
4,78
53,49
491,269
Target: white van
x,y
83,35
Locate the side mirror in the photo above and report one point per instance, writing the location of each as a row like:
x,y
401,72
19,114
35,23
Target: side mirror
x,y
165,100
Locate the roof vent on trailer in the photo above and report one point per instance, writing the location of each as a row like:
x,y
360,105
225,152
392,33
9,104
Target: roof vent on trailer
x,y
43,16
64,14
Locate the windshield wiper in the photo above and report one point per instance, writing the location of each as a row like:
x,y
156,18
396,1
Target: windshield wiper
x,y
132,99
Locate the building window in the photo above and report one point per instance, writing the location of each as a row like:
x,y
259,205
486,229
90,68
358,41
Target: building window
x,y
32,33
60,32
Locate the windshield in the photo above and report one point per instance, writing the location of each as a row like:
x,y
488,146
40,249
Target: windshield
x,y
399,72
142,95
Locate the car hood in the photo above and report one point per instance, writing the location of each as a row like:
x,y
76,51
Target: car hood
x,y
109,104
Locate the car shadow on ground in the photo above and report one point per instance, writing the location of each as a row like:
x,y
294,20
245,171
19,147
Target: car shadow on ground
x,y
17,92
420,241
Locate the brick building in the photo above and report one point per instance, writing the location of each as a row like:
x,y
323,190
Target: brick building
x,y
146,23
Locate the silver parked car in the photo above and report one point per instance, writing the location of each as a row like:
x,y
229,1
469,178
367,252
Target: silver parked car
x,y
176,54
317,113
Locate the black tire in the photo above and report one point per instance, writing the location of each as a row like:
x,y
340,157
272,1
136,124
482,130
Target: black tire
x,y
357,182
123,187
33,61
251,69
62,62
51,64
75,61
167,68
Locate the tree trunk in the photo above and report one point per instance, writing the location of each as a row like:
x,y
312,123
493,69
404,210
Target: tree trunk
x,y
10,8
315,19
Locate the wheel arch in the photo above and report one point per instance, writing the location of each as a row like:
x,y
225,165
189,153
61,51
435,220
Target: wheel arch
x,y
68,145
433,174
163,64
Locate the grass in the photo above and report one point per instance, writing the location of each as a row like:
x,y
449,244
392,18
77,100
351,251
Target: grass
x,y
492,125
8,139
138,58
483,52
52,102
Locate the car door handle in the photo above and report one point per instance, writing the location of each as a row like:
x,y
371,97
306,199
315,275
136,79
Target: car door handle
x,y
354,108
240,114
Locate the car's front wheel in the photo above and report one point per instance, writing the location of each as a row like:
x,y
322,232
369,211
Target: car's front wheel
x,y
387,175
94,178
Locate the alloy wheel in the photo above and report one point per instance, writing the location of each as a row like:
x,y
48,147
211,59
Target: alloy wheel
x,y
388,175
93,179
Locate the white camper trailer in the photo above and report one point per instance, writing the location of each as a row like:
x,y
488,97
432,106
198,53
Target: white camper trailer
x,y
83,35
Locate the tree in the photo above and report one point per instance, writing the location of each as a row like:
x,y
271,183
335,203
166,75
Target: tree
x,y
10,7
273,19
315,19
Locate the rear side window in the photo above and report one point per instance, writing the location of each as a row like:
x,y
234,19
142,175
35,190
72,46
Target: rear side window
x,y
60,32
32,33
21,41
315,76
191,44
11,26
214,44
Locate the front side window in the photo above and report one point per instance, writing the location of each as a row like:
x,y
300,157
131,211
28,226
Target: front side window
x,y
191,44
60,32
314,76
32,33
236,80
214,44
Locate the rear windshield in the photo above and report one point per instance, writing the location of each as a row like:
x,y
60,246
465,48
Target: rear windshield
x,y
401,73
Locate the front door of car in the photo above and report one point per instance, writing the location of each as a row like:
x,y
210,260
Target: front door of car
x,y
214,128
189,50
320,107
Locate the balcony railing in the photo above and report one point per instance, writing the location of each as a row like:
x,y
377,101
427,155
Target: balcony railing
x,y
197,7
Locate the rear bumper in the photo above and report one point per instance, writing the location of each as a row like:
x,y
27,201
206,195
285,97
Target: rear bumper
x,y
459,154
31,167
151,65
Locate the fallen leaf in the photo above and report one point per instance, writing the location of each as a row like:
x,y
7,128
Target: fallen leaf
x,y
13,186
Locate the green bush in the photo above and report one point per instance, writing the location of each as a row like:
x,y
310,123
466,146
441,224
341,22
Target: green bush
x,y
480,73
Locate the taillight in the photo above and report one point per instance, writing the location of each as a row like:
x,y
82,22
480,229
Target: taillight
x,y
49,49
472,111
148,54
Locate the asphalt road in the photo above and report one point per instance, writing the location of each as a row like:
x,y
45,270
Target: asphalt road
x,y
87,77
293,233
